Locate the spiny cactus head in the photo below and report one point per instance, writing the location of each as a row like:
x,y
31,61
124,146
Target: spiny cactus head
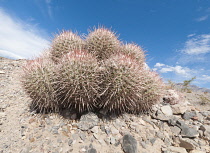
x,y
38,81
134,51
78,81
102,43
120,84
63,43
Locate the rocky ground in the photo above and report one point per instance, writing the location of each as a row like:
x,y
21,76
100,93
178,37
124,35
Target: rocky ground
x,y
179,128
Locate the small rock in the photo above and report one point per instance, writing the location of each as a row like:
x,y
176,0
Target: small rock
x,y
189,132
112,140
102,127
143,144
96,136
197,151
178,109
70,142
75,136
26,150
189,115
2,115
2,72
114,131
175,130
176,149
92,150
206,130
82,136
187,143
94,129
167,110
205,113
88,121
173,120
152,141
160,116
129,144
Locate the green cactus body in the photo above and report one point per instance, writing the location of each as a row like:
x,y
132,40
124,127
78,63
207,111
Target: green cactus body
x,y
78,85
102,43
65,42
39,81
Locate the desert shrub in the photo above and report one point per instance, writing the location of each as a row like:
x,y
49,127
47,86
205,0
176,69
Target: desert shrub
x,y
186,83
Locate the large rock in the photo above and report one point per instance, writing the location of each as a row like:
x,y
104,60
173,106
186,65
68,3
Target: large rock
x,y
129,144
187,131
88,121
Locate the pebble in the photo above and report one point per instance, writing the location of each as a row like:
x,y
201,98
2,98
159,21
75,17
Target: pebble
x,y
88,121
129,144
167,110
187,143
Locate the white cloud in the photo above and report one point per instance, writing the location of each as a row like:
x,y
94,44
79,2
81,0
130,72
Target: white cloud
x,y
191,35
19,38
159,65
205,78
197,45
203,18
49,8
179,70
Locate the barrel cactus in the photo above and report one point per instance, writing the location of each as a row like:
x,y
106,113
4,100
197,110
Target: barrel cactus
x,y
102,43
78,81
127,87
39,82
65,42
91,74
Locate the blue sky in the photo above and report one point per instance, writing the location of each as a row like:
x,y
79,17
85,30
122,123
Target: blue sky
x,y
175,33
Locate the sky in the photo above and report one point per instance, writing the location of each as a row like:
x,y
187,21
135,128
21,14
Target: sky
x,y
174,33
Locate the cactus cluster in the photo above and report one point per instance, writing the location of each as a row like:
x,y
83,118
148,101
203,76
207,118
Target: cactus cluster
x,y
97,72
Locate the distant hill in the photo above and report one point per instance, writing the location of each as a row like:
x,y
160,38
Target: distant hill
x,y
193,88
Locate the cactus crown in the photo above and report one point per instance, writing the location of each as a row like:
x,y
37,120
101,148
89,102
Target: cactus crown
x,y
65,42
102,43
